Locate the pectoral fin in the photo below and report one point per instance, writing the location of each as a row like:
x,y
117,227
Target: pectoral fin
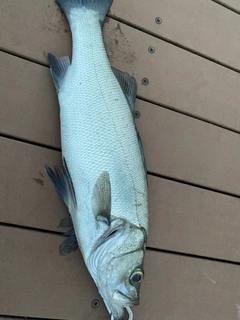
x,y
69,245
66,222
63,184
101,198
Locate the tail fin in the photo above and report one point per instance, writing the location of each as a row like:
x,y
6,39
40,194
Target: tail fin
x,y
99,6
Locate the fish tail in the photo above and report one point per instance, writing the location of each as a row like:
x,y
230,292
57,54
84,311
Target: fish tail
x,y
100,7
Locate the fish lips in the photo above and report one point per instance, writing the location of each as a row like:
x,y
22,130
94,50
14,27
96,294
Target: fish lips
x,y
125,299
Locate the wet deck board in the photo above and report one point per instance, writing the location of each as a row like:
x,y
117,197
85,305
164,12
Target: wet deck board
x,y
181,287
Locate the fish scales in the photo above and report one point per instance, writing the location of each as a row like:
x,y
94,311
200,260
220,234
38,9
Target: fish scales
x,y
102,155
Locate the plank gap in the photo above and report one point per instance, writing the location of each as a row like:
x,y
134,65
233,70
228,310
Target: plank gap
x,y
24,57
194,256
220,3
180,46
36,144
193,184
23,227
187,114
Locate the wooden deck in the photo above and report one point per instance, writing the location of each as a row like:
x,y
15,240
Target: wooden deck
x,y
190,125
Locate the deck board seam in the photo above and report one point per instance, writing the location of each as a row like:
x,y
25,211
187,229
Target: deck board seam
x,y
194,256
195,185
155,35
227,6
160,250
174,43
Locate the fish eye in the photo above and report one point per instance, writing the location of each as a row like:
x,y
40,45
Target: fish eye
x,y
136,277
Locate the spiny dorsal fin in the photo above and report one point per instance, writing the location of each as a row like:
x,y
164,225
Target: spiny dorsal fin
x,y
58,69
128,85
101,198
69,245
63,184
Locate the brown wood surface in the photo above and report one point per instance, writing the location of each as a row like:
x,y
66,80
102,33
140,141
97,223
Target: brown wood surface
x,y
27,195
232,4
182,218
202,26
189,150
29,108
175,145
39,283
177,78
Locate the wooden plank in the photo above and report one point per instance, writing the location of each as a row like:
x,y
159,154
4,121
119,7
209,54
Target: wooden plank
x,y
26,194
29,101
187,219
232,4
201,25
37,282
182,218
194,151
190,150
177,78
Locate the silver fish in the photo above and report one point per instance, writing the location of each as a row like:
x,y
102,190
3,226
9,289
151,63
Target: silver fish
x,y
104,183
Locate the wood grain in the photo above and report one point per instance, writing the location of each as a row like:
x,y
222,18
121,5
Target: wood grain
x,y
177,78
37,282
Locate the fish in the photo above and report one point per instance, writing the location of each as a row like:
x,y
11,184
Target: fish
x,y
103,181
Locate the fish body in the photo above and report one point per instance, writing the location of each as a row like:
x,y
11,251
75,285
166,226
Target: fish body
x,y
104,184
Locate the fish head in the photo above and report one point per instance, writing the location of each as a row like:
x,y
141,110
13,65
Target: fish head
x,y
118,268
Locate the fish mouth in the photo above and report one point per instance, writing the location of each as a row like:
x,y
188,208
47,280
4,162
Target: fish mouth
x,y
123,299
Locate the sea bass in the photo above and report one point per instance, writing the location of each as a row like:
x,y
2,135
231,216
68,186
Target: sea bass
x,y
104,181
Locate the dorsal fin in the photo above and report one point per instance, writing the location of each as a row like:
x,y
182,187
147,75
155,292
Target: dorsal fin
x,y
101,198
128,85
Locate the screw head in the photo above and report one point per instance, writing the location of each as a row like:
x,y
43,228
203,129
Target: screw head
x,y
151,49
95,303
158,20
145,81
136,114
